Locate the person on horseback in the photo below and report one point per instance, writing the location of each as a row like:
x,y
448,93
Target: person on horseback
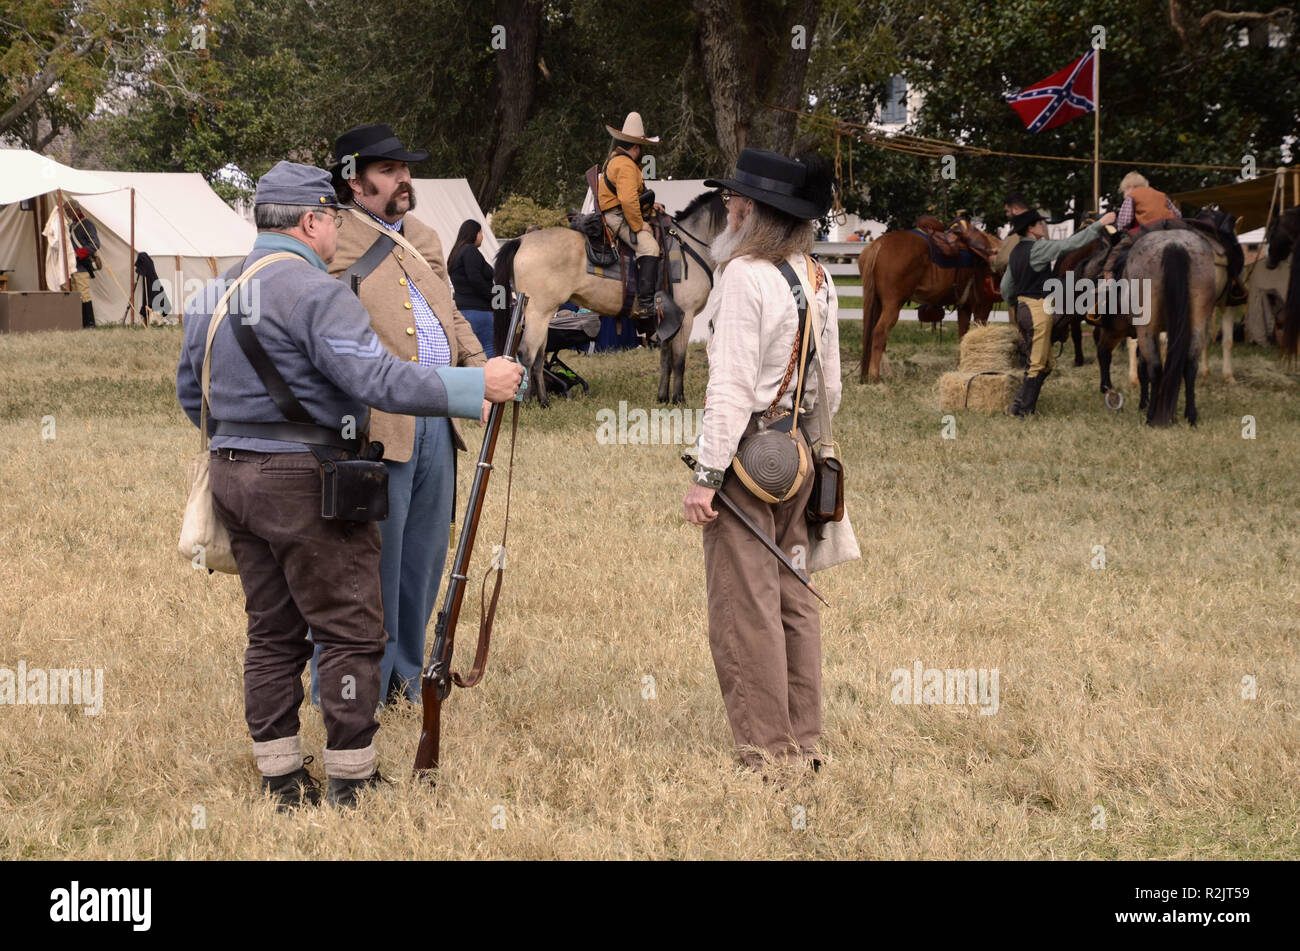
x,y
1142,205
619,194
1026,276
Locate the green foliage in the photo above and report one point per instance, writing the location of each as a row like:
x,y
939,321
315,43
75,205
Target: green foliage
x,y
518,212
1207,101
60,63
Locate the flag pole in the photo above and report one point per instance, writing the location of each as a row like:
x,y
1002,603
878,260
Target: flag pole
x,y
1096,131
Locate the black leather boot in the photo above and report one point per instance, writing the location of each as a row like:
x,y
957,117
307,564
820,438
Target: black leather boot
x,y
293,789
1017,407
87,314
343,792
1030,404
647,279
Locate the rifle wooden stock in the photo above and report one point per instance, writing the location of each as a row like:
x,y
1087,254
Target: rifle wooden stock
x,y
438,677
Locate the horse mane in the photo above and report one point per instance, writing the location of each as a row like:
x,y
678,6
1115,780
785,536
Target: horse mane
x,y
717,210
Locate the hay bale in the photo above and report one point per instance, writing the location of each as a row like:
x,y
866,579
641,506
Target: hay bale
x,y
986,392
993,347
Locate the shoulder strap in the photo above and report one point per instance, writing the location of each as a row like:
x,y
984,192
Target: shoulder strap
x,y
364,265
801,339
824,437
395,236
218,315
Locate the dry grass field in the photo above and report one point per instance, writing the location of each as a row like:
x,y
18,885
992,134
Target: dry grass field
x,y
1125,687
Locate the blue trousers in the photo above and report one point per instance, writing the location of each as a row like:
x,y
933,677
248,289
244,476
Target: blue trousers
x,y
481,322
414,536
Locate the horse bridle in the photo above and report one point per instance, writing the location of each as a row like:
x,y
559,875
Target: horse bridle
x,y
676,230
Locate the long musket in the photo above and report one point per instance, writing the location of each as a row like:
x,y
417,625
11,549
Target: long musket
x,y
758,533
438,676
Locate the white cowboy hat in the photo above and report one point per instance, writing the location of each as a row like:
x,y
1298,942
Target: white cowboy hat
x,y
633,131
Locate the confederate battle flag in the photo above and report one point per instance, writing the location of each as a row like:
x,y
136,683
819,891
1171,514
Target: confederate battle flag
x,y
1058,98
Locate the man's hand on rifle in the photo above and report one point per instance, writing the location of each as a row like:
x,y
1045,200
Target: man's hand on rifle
x,y
501,379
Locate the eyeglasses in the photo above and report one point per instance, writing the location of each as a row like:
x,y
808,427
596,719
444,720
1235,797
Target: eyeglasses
x,y
338,217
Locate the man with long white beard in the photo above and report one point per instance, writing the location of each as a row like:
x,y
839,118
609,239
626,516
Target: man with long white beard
x,y
764,624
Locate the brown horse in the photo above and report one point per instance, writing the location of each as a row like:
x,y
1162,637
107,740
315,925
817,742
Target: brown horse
x,y
897,268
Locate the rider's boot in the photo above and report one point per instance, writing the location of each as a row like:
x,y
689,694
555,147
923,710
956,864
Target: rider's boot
x,y
647,278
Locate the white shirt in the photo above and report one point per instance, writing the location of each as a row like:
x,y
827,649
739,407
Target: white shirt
x,y
752,321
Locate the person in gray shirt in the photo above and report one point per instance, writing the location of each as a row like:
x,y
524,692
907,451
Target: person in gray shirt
x,y
300,570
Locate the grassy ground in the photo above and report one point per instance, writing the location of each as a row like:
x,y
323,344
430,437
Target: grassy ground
x,y
1121,729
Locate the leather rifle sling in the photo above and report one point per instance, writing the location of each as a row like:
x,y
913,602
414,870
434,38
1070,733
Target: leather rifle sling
x,y
488,612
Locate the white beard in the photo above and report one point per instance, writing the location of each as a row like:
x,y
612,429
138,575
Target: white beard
x,y
726,243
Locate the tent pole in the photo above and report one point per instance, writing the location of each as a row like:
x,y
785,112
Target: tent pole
x,y
178,306
130,301
37,219
64,243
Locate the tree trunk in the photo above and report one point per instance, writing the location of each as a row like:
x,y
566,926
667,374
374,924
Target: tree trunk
x,y
753,55
513,92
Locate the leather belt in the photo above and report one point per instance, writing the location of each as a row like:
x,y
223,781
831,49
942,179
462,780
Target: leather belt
x,y
289,432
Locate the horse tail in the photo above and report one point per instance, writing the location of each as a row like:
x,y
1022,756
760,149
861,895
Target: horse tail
x,y
870,303
503,272
1291,329
1175,281
503,275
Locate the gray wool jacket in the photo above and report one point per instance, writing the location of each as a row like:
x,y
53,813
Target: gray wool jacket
x,y
318,335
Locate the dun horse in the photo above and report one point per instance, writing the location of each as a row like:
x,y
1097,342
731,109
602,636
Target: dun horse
x,y
550,266
897,267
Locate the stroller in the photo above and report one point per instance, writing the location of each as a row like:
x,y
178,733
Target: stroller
x,y
570,329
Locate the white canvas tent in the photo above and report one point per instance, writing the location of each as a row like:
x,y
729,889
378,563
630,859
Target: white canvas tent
x,y
443,204
176,218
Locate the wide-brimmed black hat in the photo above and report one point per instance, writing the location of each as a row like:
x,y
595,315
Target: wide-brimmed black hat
x,y
371,143
784,183
1020,223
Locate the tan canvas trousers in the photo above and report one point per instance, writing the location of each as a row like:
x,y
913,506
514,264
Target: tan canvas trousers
x,y
764,627
79,281
643,241
1039,328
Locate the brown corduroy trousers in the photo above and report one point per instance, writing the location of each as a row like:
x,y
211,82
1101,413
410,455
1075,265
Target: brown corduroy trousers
x,y
301,570
764,627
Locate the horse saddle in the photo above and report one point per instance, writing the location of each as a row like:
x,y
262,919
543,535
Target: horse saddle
x,y
947,248
601,251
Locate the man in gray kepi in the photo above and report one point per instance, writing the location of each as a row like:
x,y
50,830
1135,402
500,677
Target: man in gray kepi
x,y
298,568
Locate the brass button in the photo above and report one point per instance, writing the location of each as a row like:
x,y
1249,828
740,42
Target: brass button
x,y
407,305
413,359
402,281
399,255
410,331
